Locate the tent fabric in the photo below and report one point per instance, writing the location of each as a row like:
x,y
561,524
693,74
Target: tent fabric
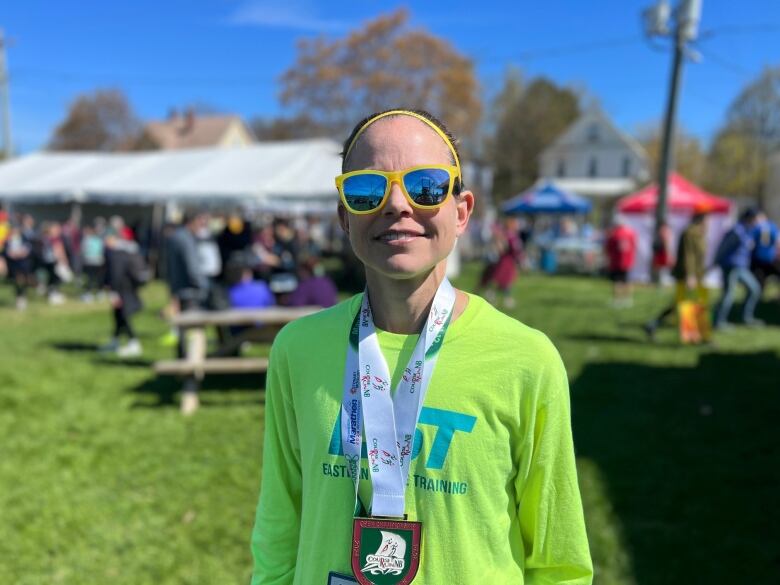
x,y
546,197
294,171
682,196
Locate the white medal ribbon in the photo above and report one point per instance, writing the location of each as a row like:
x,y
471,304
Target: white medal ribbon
x,y
390,421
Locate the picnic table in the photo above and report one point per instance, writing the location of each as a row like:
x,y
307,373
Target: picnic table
x,y
257,325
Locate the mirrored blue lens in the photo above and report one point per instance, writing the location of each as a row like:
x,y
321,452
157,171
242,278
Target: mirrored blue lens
x,y
364,192
427,186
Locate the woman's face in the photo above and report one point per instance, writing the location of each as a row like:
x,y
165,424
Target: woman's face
x,y
400,241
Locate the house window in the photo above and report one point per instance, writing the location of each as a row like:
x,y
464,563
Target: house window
x,y
626,167
561,168
593,168
593,133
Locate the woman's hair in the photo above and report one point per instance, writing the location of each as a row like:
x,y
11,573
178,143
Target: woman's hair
x,y
353,136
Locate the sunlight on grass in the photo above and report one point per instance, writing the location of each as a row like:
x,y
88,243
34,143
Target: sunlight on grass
x,y
102,481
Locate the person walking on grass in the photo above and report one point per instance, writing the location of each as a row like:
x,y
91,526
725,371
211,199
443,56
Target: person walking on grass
x,y
125,273
620,248
688,270
502,274
733,256
353,490
17,252
93,262
765,261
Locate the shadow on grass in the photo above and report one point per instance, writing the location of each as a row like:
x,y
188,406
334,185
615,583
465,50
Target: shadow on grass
x,y
75,346
689,456
99,358
123,362
769,312
166,389
639,339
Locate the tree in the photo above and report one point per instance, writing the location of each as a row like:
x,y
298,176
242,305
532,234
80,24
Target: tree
x,y
690,159
103,120
528,120
737,161
736,165
383,64
297,127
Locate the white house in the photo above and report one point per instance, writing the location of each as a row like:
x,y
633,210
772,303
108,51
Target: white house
x,y
593,158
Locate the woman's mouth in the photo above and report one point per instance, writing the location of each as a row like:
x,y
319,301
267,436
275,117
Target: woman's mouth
x,y
398,237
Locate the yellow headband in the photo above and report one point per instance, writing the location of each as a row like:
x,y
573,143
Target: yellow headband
x,y
413,115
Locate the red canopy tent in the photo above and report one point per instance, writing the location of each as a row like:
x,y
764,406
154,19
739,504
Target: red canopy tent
x,y
682,196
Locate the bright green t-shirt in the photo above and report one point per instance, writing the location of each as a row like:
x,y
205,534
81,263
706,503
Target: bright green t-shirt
x,y
493,477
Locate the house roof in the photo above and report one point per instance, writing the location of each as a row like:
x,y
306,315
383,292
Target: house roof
x,y
597,115
190,131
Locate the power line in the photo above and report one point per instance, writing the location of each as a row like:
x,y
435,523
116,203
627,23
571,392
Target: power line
x,y
739,29
568,49
596,45
726,63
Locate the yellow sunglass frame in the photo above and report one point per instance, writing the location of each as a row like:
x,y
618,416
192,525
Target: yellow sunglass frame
x,y
397,177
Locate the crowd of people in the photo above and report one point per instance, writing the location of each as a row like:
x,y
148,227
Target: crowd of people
x,y
208,261
218,261
747,254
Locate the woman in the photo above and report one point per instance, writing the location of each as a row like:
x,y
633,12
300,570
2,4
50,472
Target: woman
x,y
18,255
485,488
503,272
125,273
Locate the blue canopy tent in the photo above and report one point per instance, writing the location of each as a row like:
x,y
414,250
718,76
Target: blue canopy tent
x,y
546,198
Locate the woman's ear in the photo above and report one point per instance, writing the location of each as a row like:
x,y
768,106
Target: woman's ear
x,y
343,218
464,205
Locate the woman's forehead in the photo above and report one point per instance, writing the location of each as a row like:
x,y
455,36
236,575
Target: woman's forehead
x,y
398,141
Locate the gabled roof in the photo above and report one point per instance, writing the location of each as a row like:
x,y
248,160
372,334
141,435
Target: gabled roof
x,y
190,131
568,138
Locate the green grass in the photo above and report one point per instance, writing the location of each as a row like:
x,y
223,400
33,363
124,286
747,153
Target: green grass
x,y
102,481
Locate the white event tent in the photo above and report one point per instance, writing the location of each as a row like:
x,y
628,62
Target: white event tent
x,y
289,177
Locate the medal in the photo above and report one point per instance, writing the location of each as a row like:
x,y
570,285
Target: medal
x,y
385,551
385,547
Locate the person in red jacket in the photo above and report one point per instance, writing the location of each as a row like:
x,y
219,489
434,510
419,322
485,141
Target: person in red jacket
x,y
620,248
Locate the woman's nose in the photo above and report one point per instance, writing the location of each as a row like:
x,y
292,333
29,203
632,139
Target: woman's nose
x,y
397,201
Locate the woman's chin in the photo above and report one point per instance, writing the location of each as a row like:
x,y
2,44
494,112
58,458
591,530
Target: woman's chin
x,y
402,268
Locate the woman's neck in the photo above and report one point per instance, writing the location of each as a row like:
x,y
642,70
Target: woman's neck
x,y
403,305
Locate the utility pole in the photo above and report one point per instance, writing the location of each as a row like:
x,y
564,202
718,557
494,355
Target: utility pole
x,y
5,108
686,18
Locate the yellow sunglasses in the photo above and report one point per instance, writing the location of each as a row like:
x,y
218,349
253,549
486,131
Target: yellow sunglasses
x,y
425,187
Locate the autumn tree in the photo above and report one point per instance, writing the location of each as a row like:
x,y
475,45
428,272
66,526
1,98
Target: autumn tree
x,y
287,128
690,159
103,120
528,119
385,63
737,163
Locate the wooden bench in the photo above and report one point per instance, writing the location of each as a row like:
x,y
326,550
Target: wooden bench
x,y
258,325
212,366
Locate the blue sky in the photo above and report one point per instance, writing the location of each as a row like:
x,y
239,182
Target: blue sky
x,y
230,53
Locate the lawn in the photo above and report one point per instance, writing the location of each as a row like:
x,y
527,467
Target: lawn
x,y
102,481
